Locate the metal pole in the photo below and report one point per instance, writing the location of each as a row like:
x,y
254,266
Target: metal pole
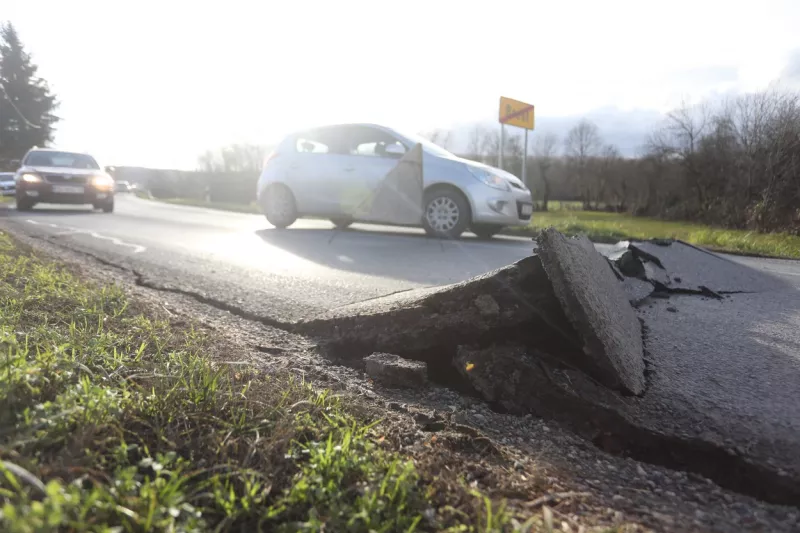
x,y
525,160
502,144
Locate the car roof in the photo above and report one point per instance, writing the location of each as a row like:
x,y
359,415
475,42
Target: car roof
x,y
62,150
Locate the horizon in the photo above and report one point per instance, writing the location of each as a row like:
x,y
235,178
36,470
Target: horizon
x,y
136,92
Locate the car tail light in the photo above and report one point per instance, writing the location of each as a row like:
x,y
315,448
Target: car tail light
x,y
272,155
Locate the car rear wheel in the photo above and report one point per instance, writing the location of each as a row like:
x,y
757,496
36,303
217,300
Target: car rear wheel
x,y
342,223
486,231
447,213
279,206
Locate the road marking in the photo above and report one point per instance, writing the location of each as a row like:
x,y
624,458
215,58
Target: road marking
x,y
137,248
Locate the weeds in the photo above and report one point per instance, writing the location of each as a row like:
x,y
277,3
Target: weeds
x,y
111,420
612,227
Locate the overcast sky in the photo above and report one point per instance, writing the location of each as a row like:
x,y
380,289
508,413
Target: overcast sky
x,y
157,82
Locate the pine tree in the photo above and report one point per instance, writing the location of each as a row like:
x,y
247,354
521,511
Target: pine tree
x,y
26,103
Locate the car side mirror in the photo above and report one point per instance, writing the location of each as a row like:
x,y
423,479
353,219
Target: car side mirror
x,y
395,150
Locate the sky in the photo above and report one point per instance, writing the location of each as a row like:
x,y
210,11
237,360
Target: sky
x,y
155,83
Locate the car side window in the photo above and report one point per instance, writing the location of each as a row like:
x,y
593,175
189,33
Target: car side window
x,y
307,146
376,148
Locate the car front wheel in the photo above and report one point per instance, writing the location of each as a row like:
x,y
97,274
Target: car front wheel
x,y
106,207
279,206
24,204
447,213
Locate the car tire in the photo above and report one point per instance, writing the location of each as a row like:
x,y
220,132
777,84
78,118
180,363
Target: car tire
x,y
342,223
486,231
279,206
446,213
107,207
25,205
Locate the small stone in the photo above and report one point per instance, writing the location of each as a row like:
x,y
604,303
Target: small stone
x,y
487,306
618,497
518,466
479,417
672,309
394,371
396,406
641,471
728,498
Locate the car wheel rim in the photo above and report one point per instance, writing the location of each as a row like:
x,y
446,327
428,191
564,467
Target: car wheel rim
x,y
442,214
279,204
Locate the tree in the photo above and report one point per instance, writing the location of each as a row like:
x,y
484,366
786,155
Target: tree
x,y
26,103
581,145
234,158
475,148
544,150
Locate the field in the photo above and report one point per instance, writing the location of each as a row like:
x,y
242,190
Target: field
x,y
612,227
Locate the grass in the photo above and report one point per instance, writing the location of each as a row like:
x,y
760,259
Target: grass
x,y
613,227
112,419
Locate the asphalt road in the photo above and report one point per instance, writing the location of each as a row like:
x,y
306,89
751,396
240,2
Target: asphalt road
x,y
284,275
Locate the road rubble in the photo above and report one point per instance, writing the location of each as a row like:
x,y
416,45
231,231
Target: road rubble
x,y
663,352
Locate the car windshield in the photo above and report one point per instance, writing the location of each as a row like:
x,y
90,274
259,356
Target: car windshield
x,y
429,147
61,159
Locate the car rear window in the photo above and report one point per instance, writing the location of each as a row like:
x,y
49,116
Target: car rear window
x,y
307,146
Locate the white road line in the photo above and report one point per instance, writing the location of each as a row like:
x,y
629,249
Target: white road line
x,y
137,248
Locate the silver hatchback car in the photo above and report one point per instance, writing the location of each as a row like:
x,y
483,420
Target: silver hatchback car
x,y
326,171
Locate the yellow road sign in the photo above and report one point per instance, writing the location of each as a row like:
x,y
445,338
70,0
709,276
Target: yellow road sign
x,y
516,113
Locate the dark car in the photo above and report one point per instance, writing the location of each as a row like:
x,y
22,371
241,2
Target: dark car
x,y
123,186
57,177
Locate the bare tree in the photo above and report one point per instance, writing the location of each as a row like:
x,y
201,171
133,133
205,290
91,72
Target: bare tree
x,y
582,144
490,146
475,147
234,158
544,151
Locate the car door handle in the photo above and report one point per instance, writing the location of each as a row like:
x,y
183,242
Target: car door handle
x,y
349,169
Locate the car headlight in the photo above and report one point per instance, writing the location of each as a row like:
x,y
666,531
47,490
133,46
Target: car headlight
x,y
30,178
102,181
489,179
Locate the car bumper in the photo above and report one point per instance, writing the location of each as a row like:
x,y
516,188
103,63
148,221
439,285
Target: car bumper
x,y
502,208
44,193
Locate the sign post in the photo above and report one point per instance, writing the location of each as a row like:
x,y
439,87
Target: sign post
x,y
520,114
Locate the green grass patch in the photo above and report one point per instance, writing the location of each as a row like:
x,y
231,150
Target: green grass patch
x,y
612,227
114,420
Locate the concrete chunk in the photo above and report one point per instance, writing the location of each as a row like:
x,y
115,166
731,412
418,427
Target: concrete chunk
x,y
597,307
394,371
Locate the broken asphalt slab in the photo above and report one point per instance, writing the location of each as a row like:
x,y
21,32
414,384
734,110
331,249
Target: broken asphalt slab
x,y
597,308
680,266
555,335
